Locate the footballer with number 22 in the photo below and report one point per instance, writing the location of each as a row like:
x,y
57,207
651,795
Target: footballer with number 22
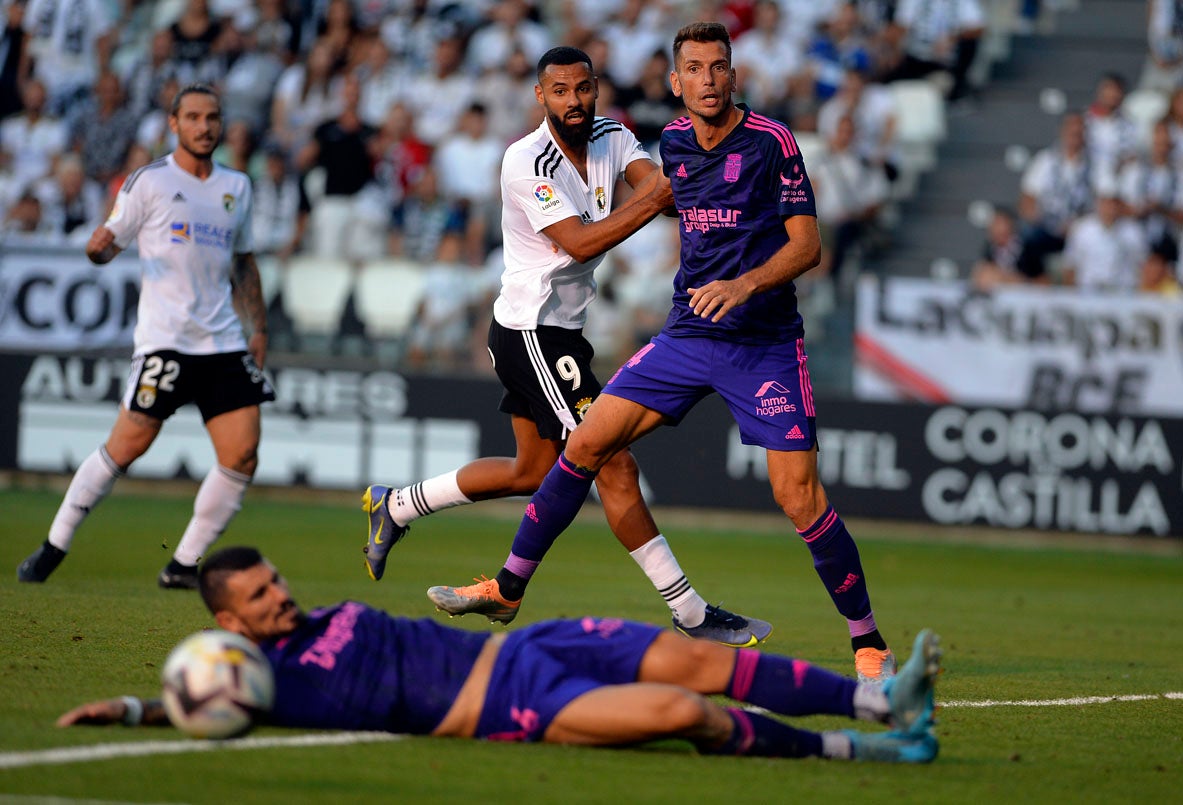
x,y
190,219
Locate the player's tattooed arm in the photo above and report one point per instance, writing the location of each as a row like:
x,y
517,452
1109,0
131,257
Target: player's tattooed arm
x,y
126,710
248,301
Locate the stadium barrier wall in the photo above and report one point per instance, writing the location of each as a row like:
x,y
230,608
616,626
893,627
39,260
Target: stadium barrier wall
x,y
342,429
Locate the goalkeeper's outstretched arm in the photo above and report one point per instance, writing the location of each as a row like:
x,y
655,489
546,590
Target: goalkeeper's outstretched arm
x,y
127,710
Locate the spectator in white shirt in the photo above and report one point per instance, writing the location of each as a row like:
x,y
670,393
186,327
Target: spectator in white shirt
x,y
32,140
1105,251
850,193
468,163
1111,137
71,204
306,95
70,44
768,67
383,79
634,34
1151,188
1055,190
509,29
872,107
441,95
508,97
280,207
1164,61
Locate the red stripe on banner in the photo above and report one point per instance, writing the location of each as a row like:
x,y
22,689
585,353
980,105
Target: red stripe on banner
x,y
914,384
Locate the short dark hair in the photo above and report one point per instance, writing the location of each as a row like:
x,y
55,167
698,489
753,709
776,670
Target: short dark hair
x,y
563,55
1166,248
1115,77
703,32
211,577
193,89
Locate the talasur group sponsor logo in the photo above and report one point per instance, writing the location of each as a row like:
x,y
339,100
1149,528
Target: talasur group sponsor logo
x,y
704,219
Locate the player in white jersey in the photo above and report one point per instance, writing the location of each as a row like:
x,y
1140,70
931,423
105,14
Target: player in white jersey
x,y
190,219
557,221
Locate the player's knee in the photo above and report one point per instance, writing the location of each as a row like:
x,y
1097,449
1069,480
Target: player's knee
x,y
245,461
585,452
800,502
685,712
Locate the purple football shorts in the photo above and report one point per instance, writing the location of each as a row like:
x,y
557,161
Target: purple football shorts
x,y
766,386
541,668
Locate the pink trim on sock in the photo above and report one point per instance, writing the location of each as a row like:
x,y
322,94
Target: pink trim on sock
x,y
522,568
862,626
571,469
821,526
800,668
744,725
744,673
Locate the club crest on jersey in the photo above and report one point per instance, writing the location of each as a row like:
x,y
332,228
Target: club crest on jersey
x,y
545,194
179,232
601,199
731,167
228,202
582,406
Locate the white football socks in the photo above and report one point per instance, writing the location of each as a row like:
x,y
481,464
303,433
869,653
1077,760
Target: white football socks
x,y
837,746
661,566
870,702
218,499
421,499
91,483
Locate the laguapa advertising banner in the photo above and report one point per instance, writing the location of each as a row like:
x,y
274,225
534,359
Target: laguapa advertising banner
x,y
343,429
1050,349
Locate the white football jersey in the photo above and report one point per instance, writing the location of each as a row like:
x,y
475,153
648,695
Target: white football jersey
x,y
542,284
187,231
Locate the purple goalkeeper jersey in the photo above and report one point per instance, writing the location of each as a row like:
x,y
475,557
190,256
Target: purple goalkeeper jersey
x,y
733,201
352,667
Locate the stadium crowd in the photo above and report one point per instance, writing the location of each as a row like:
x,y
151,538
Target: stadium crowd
x,y
375,128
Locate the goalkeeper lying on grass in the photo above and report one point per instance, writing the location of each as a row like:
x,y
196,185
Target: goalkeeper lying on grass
x,y
590,681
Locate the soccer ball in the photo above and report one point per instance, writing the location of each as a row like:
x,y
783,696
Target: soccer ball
x,y
215,684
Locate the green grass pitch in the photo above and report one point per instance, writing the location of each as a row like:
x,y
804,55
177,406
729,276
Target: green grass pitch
x,y
1037,622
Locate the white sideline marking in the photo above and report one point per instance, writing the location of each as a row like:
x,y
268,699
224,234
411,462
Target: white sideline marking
x,y
83,754
1076,700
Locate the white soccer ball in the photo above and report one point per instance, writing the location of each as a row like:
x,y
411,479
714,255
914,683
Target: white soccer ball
x,y
215,685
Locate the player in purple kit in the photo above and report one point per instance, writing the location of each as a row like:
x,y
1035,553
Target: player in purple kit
x,y
591,681
749,229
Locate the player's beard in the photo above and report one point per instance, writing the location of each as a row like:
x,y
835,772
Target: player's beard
x,y
199,150
577,135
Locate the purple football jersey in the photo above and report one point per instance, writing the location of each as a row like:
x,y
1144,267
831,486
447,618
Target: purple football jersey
x,y
733,201
354,667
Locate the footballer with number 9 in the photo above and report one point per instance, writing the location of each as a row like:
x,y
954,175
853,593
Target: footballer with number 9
x,y
587,681
190,220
